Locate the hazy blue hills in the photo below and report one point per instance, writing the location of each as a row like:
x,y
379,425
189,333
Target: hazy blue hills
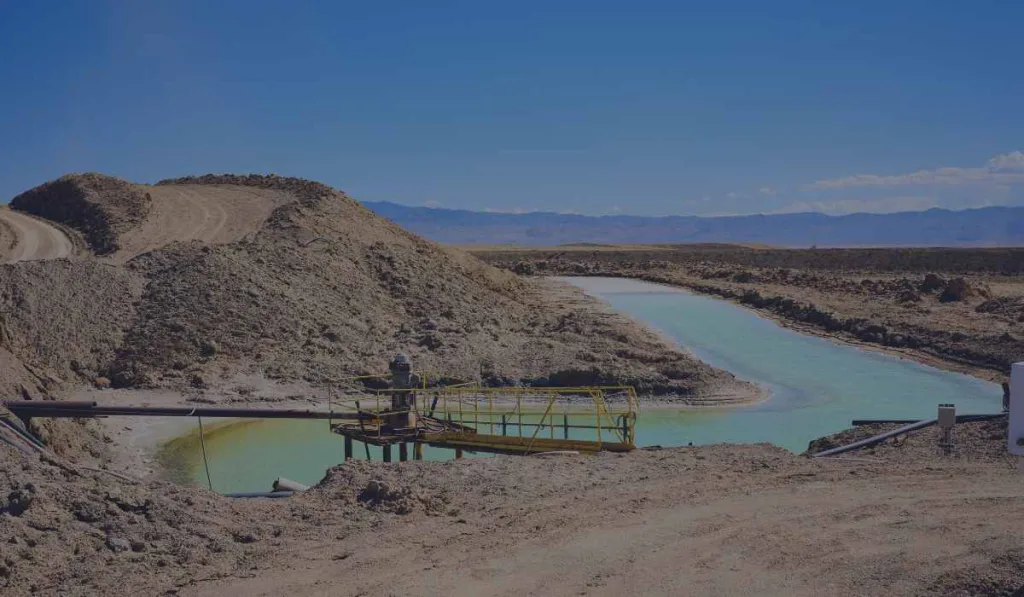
x,y
989,226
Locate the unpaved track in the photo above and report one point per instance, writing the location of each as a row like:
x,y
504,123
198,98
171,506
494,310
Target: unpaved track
x,y
811,528
208,213
26,238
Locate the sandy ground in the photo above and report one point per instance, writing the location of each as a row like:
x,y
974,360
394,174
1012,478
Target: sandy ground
x,y
702,521
27,238
711,520
205,213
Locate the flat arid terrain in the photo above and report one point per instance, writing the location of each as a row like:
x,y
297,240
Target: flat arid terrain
x,y
185,291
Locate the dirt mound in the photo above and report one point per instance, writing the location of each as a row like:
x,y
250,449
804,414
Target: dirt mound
x,y
327,288
63,320
63,530
100,207
299,281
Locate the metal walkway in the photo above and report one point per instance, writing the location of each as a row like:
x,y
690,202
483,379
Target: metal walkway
x,y
496,420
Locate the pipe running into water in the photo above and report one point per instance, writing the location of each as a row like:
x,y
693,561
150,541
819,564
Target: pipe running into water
x,y
876,438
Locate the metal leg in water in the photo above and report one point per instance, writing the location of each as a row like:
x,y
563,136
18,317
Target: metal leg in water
x,y
417,451
348,448
403,452
387,452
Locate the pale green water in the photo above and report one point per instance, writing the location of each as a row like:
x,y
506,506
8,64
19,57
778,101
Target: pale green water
x,y
817,387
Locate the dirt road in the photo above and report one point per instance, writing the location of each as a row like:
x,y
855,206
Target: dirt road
x,y
208,213
26,238
719,520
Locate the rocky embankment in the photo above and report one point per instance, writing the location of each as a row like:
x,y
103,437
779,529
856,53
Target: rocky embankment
x,y
972,322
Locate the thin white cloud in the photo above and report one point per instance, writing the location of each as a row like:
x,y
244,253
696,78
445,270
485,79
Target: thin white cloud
x,y
1004,169
847,206
767,191
511,210
432,204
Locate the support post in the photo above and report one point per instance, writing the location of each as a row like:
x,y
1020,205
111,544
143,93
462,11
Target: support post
x,y
565,425
504,426
387,452
1015,435
458,453
348,448
403,452
417,451
625,429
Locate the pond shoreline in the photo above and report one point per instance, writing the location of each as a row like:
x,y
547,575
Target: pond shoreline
x,y
150,438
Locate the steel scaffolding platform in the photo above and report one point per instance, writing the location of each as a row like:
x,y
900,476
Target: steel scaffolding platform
x,y
494,420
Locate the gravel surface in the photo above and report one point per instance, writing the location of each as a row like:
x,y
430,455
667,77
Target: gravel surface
x,y
685,521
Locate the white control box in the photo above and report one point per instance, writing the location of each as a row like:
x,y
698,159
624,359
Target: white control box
x,y
1015,437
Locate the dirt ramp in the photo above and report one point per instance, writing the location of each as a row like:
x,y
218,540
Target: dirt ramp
x,y
26,238
100,207
214,214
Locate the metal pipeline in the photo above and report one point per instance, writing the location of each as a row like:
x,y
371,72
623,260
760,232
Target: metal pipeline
x,y
24,434
282,484
261,494
959,419
77,410
15,445
876,439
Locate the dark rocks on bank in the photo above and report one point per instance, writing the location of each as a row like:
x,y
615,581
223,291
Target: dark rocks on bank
x,y
931,283
956,290
991,306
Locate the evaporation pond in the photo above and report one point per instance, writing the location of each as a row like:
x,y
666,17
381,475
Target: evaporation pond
x,y
817,387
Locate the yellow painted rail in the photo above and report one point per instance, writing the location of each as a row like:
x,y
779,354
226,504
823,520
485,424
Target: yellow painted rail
x,y
516,420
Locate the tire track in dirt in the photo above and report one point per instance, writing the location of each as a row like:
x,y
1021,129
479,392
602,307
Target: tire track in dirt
x,y
26,238
207,213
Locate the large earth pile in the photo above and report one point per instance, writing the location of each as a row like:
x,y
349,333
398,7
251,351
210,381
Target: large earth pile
x,y
194,280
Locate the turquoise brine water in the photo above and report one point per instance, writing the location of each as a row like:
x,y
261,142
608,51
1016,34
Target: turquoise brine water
x,y
817,387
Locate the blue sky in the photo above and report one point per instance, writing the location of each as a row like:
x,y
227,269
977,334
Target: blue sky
x,y
590,107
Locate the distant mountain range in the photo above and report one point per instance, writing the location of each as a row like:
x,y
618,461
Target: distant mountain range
x,y
989,226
